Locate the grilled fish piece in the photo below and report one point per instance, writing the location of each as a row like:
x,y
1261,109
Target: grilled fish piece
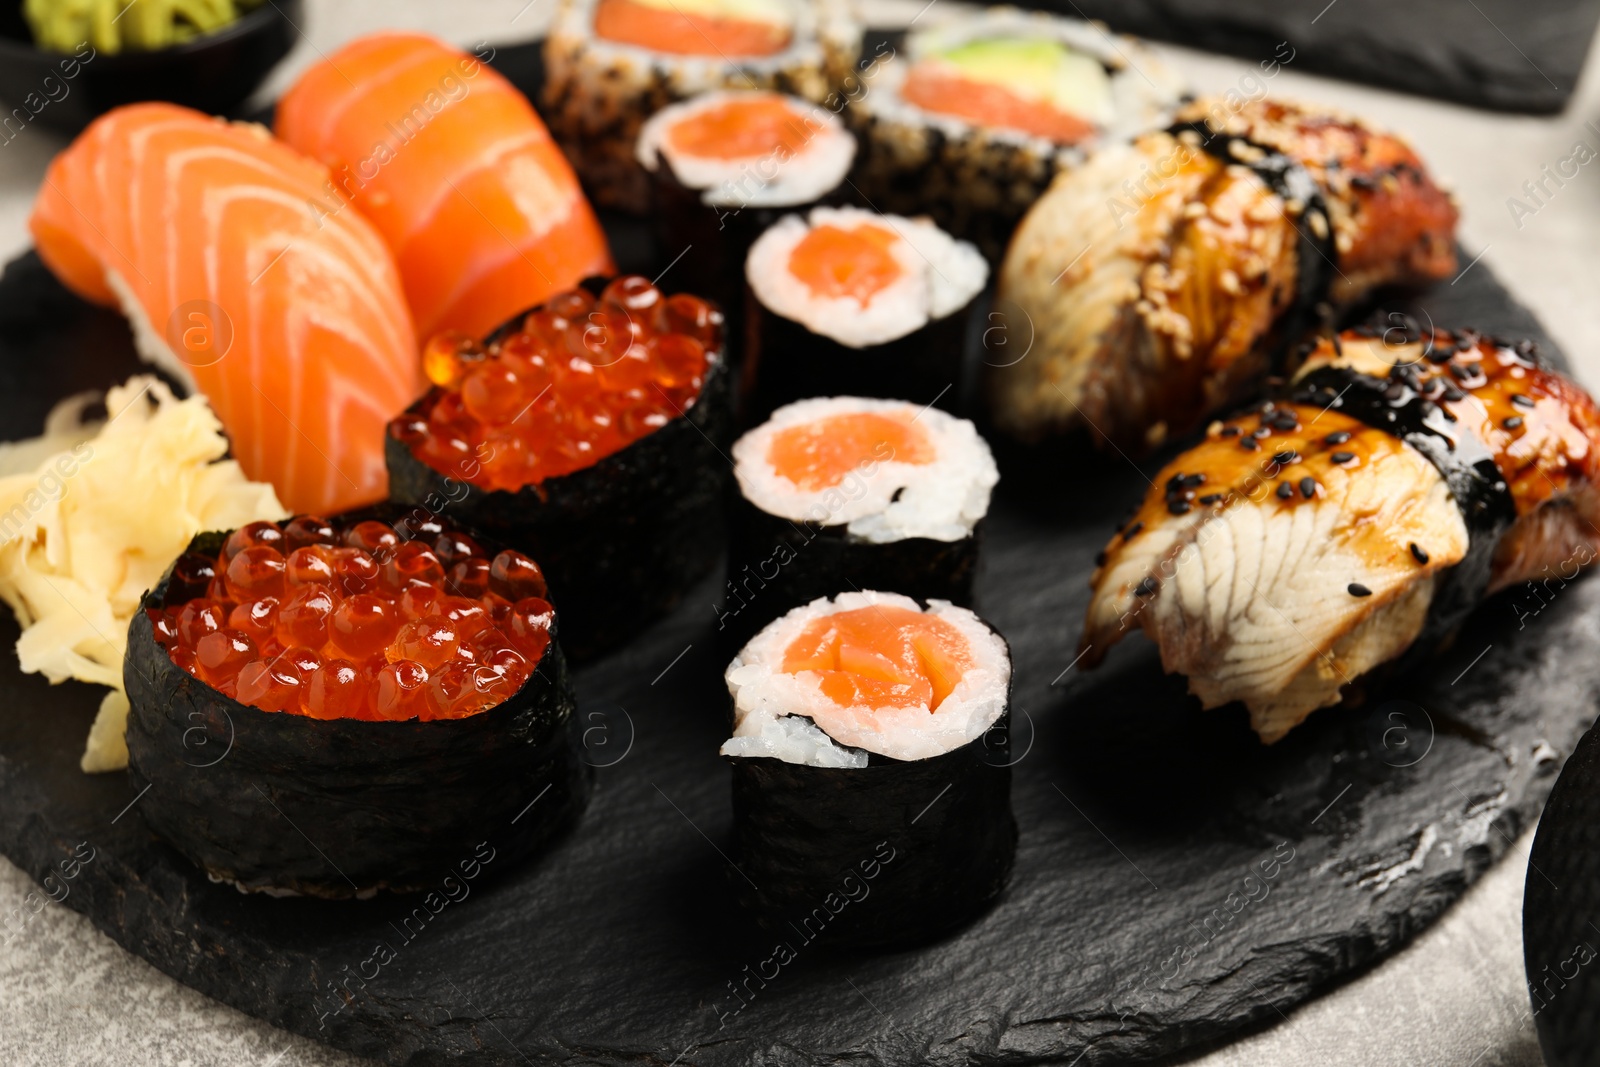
x,y
1303,544
1162,279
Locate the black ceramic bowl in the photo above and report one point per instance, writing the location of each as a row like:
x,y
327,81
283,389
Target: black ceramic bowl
x,y
214,73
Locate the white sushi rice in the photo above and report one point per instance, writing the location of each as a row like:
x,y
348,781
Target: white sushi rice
x,y
787,716
884,499
767,179
940,276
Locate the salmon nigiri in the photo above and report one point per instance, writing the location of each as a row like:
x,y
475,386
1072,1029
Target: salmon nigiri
x,y
453,166
292,323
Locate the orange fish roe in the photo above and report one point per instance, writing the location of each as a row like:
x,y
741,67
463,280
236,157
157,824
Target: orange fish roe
x,y
351,622
757,124
670,29
581,379
882,656
835,262
816,455
933,86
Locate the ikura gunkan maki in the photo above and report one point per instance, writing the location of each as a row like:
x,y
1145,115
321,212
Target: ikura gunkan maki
x,y
849,299
869,728
850,493
589,434
724,164
405,697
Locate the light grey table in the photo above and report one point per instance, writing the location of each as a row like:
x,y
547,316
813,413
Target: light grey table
x,y
69,996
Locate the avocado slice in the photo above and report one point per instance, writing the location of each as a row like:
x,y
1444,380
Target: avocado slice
x,y
1047,71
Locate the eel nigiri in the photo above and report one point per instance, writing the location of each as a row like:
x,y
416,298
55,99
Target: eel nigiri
x,y
1300,545
1161,281
455,169
293,326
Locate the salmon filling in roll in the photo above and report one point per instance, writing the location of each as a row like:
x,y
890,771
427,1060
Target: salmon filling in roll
x,y
696,27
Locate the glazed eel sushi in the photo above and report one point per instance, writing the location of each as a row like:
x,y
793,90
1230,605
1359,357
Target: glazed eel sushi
x,y
331,708
1397,483
871,769
590,433
1161,281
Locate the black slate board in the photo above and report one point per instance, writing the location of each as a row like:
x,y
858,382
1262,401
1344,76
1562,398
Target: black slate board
x,y
1503,54
1176,881
1561,915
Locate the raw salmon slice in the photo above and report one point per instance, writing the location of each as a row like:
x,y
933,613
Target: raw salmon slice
x,y
451,164
838,261
290,320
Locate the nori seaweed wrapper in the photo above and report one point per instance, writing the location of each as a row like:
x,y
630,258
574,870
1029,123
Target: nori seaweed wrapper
x,y
775,564
808,839
619,541
784,361
339,808
713,240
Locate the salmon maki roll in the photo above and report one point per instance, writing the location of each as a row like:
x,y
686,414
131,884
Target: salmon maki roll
x,y
1161,281
292,325
453,166
1301,545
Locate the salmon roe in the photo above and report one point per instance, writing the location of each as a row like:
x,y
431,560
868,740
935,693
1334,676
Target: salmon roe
x,y
355,622
581,379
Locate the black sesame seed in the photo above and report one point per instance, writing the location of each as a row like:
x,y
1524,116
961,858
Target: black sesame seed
x,y
1336,438
1442,354
1285,422
1230,431
1461,371
1192,480
1357,589
1512,422
1261,431
1418,553
1452,394
1286,457
1249,444
1308,487
1211,498
1133,531
1285,490
1521,400
1145,588
1178,507
1342,457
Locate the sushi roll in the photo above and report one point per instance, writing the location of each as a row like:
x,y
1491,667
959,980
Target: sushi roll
x,y
843,298
1164,279
871,779
849,493
724,165
591,434
978,115
611,64
1400,481
332,708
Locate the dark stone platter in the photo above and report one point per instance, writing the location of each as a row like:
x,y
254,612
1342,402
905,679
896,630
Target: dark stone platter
x,y
1176,881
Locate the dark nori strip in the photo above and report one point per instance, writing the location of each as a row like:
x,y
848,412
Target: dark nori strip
x,y
775,564
800,832
621,541
1317,257
784,362
1464,461
340,807
713,241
